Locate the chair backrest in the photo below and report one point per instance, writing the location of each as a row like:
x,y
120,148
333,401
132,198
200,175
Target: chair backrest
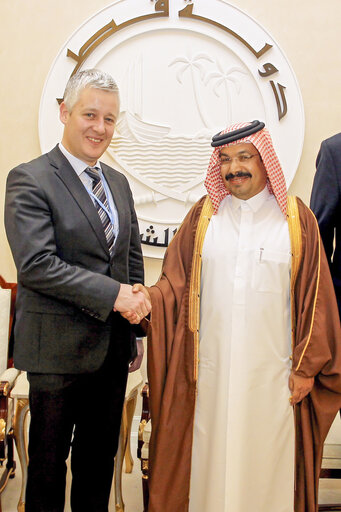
x,y
7,300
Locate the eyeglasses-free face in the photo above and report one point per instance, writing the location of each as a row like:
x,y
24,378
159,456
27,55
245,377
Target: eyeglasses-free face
x,y
89,126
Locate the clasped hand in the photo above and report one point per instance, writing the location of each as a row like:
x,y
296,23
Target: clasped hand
x,y
133,302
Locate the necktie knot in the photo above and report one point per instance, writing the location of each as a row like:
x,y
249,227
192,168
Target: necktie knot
x,y
94,174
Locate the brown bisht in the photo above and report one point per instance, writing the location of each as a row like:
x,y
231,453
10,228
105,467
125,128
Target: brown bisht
x,y
173,339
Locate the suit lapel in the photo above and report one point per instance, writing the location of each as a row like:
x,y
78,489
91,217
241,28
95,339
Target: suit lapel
x,y
76,188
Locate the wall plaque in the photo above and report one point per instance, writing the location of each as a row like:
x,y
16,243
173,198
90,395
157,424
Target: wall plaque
x,y
186,70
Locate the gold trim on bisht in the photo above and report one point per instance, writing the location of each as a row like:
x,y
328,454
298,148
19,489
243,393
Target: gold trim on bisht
x,y
194,290
316,293
296,255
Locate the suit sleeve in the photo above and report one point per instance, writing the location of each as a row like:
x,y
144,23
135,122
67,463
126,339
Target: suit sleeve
x,y
136,272
136,269
325,197
30,230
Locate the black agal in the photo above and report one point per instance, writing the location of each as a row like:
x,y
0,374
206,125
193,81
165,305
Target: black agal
x,y
226,138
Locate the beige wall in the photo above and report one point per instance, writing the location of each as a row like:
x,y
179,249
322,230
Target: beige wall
x,y
33,31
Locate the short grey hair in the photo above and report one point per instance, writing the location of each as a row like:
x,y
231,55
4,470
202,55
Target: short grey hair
x,y
94,78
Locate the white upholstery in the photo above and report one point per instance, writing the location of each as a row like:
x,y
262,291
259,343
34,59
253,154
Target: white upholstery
x,y
9,375
5,307
20,389
134,380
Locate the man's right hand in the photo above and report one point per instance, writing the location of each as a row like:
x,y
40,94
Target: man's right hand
x,y
130,315
133,302
138,287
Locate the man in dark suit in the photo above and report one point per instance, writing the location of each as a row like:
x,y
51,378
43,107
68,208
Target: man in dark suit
x,y
74,236
326,204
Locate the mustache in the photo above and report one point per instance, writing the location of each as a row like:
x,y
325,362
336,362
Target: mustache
x,y
238,174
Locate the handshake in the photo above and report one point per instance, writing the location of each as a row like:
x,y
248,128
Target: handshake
x,y
133,302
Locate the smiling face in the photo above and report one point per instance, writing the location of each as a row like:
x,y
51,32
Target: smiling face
x,y
89,127
242,170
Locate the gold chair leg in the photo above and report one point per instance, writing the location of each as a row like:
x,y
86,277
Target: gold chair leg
x,y
119,504
21,411
124,451
128,458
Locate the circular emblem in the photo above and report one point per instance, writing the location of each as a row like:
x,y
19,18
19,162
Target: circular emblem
x,y
186,70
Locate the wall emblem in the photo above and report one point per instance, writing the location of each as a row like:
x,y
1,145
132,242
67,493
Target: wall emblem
x,y
186,70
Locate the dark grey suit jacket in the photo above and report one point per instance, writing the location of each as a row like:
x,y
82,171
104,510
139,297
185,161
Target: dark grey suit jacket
x,y
67,281
326,204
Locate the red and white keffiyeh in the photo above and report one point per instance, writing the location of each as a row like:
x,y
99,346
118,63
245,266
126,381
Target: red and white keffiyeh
x,y
262,141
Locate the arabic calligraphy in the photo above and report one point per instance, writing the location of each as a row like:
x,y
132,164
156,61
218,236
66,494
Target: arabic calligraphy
x,y
281,101
150,240
162,10
269,69
187,12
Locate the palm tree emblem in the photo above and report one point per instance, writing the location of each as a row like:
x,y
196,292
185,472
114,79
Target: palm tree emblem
x,y
224,79
194,64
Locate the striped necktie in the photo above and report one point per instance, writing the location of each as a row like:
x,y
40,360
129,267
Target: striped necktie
x,y
98,191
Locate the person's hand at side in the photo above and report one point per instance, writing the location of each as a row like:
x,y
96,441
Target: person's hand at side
x,y
299,387
136,363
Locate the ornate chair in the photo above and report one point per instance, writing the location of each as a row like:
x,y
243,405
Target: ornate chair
x,y
134,384
143,444
331,468
20,394
7,381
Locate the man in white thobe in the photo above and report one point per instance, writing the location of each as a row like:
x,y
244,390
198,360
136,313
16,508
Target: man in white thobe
x,y
245,344
244,326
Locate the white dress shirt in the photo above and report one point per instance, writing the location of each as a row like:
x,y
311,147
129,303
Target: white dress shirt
x,y
79,167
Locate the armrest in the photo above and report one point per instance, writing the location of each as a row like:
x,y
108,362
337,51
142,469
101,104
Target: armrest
x,y
7,380
134,382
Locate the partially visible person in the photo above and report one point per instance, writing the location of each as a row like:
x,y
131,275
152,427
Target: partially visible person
x,y
73,232
244,325
325,202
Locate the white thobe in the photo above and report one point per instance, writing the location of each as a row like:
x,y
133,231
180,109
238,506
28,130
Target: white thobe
x,y
243,446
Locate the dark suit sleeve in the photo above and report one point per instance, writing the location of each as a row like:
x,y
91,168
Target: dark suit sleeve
x,y
136,269
136,272
325,196
30,230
